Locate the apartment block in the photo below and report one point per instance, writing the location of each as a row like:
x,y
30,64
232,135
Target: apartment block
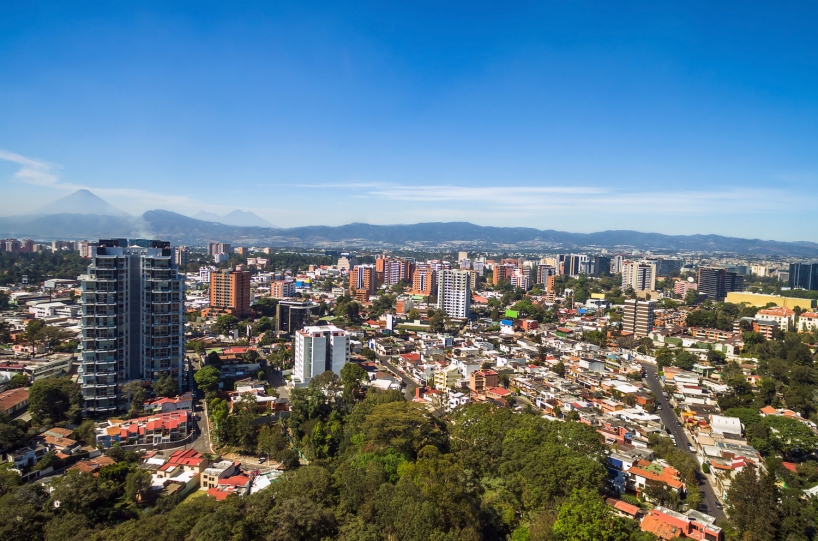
x,y
319,349
281,289
229,293
638,317
132,320
424,280
641,276
362,282
454,292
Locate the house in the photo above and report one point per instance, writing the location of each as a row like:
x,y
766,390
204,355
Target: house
x,y
158,428
215,472
497,393
166,405
13,401
482,379
236,484
645,473
58,440
93,465
693,524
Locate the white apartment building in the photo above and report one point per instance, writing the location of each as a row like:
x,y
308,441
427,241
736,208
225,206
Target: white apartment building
x,y
807,322
638,317
454,292
641,276
784,317
319,348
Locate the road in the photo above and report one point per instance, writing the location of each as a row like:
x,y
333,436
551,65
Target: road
x,y
410,384
669,419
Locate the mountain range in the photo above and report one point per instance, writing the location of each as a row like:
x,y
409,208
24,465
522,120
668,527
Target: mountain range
x,y
70,219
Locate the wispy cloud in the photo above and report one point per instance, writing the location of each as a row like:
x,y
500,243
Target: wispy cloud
x,y
32,171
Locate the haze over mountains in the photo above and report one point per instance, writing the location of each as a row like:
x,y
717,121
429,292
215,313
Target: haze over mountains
x,y
83,215
241,218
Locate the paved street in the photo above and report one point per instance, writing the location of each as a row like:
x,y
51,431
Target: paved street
x,y
669,419
409,390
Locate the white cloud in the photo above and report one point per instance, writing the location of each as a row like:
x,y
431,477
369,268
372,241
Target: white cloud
x,y
32,171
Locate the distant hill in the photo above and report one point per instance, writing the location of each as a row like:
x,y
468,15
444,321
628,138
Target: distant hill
x,y
181,229
241,218
81,202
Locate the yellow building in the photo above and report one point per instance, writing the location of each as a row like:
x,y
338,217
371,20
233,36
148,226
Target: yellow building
x,y
447,377
760,300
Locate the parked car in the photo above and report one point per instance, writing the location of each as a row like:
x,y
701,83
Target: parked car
x,y
691,448
262,460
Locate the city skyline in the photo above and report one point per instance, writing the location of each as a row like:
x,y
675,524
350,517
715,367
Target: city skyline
x,y
581,118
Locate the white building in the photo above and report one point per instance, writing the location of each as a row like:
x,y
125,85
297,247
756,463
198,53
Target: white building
x,y
454,292
640,276
317,349
807,322
784,317
49,309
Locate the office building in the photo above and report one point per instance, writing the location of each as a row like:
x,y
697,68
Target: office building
x,y
616,264
454,292
641,276
229,293
292,316
666,267
638,317
362,282
181,256
478,266
716,282
803,276
601,265
346,262
132,321
576,264
319,349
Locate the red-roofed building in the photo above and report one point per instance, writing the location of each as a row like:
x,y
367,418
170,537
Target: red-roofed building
x,y
159,428
482,379
13,401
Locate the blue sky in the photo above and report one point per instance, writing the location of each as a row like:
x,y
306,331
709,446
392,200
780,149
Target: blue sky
x,y
578,116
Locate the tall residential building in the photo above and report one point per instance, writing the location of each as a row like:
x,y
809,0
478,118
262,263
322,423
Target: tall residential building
x,y
215,248
292,316
803,276
502,271
346,262
424,280
638,317
454,292
230,293
641,276
543,272
319,349
181,256
390,271
280,289
132,321
716,282
362,282
616,264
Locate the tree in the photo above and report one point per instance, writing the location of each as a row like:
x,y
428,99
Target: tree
x,y
52,400
135,391
352,379
437,323
716,357
137,485
752,503
245,412
208,379
224,324
685,360
413,315
586,516
18,380
166,386
86,433
213,359
559,369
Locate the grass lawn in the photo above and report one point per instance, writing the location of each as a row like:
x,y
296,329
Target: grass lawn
x,y
193,495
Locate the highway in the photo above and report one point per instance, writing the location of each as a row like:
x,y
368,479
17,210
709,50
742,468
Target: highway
x,y
669,419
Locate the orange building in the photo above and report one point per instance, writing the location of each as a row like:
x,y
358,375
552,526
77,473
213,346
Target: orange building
x,y
362,282
502,272
480,380
229,293
549,284
423,281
